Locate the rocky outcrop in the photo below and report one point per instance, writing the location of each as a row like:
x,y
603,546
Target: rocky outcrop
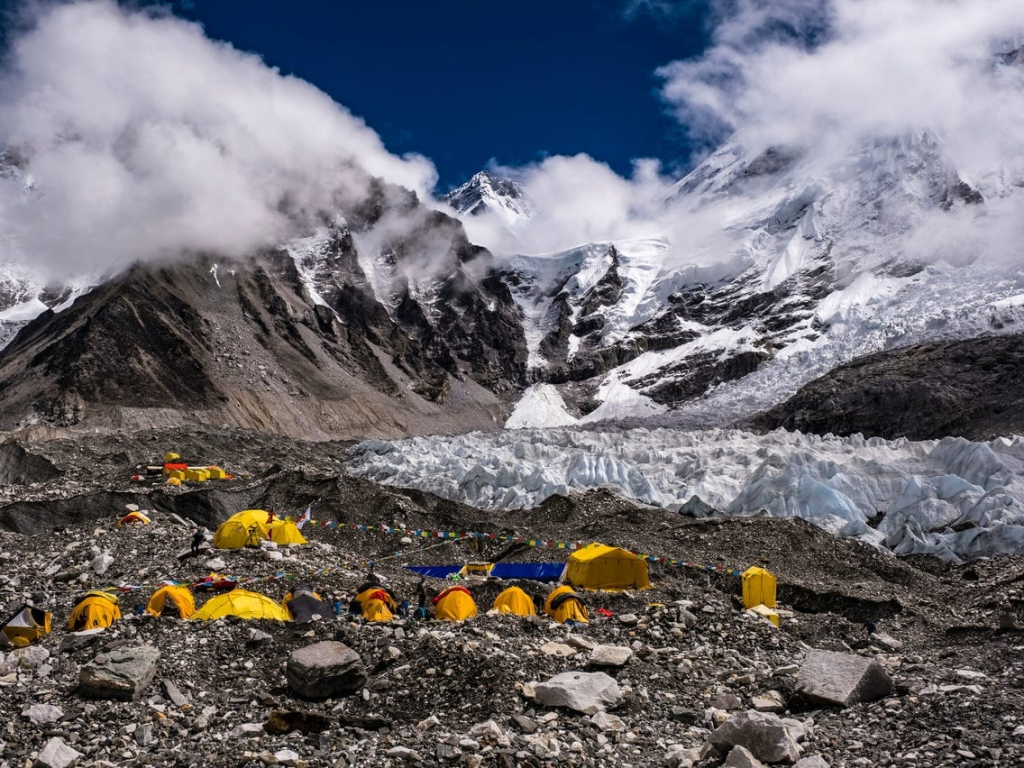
x,y
841,679
971,388
587,692
325,670
764,735
121,674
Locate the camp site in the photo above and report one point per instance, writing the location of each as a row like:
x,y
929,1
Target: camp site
x,y
245,622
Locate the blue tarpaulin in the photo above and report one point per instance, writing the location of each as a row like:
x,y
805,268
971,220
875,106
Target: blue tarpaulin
x,y
435,571
535,571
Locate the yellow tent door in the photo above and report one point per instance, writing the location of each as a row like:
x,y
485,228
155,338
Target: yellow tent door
x,y
377,604
96,609
564,605
179,596
598,566
454,604
241,603
514,600
758,588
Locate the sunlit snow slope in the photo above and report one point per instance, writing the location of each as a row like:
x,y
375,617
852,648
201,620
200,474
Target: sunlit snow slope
x,y
954,498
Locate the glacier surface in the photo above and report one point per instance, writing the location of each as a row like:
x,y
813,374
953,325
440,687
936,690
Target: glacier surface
x,y
957,499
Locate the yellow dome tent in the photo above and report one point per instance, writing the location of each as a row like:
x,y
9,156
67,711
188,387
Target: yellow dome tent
x,y
598,566
565,605
454,604
96,609
27,625
514,600
173,599
377,604
249,527
758,588
133,518
243,604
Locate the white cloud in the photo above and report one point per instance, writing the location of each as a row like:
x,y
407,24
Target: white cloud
x,y
827,75
144,138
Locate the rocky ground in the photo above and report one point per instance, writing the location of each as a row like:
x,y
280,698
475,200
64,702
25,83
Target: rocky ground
x,y
687,659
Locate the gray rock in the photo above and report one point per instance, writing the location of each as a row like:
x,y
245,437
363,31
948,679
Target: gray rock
x,y
772,701
558,649
740,757
629,619
726,701
323,670
120,674
581,642
763,734
175,695
587,692
605,722
145,735
610,656
404,753
74,640
679,756
43,714
842,679
57,754
526,725
813,761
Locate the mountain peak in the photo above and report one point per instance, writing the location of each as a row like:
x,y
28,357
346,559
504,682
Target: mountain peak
x,y
485,193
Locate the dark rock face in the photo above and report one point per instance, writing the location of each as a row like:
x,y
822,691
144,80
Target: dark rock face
x,y
19,467
971,388
299,342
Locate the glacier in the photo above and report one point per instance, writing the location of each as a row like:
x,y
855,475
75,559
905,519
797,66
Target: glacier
x,y
953,498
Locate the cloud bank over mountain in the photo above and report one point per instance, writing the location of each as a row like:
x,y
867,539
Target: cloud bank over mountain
x,y
139,137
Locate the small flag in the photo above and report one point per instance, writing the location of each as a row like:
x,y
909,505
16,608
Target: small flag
x,y
305,518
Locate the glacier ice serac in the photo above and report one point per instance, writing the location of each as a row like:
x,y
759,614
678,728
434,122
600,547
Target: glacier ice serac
x,y
953,498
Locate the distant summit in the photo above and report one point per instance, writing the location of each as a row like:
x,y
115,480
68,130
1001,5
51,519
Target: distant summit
x,y
486,194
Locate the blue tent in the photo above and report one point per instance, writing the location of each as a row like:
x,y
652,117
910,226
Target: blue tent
x,y
534,571
435,571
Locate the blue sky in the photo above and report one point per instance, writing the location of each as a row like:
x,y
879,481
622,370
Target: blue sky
x,y
466,81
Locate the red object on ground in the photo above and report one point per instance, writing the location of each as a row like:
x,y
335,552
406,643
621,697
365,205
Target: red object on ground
x,y
605,612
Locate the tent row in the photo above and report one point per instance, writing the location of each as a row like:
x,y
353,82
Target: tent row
x,y
596,566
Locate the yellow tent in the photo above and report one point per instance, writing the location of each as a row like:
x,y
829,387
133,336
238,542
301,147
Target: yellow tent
x,y
249,527
96,609
286,532
27,625
454,604
514,600
598,566
377,604
241,603
758,588
565,605
174,599
133,517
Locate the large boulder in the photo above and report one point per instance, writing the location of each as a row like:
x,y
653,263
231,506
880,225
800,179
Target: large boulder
x,y
324,670
587,692
121,674
841,679
57,754
763,734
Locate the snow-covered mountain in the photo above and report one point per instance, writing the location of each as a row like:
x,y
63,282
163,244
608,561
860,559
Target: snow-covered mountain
x,y
486,194
790,267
